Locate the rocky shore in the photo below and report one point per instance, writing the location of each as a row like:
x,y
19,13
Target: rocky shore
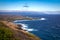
x,y
19,32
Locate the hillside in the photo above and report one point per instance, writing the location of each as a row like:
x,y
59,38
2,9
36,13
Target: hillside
x,y
14,17
10,31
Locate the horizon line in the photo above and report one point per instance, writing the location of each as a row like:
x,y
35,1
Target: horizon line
x,y
21,11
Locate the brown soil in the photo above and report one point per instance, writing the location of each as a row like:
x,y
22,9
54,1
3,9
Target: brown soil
x,y
19,33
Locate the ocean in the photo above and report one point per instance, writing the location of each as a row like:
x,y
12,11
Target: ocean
x,y
47,29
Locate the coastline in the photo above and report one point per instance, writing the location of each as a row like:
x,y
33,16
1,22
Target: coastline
x,y
16,28
25,27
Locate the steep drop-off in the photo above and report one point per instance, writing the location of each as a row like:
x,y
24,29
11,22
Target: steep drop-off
x,y
10,31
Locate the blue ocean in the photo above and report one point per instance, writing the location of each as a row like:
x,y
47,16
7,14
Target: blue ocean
x,y
46,29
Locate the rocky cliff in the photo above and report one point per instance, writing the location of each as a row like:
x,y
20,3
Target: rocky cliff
x,y
14,32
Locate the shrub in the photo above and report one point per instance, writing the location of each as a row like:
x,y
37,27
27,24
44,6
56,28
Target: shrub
x,y
6,34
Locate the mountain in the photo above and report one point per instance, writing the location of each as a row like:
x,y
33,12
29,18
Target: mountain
x,y
52,12
22,13
30,13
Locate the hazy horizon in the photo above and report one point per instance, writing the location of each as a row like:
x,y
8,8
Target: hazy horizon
x,y
46,6
29,12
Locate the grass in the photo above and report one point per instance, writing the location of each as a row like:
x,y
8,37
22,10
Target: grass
x,y
8,34
32,36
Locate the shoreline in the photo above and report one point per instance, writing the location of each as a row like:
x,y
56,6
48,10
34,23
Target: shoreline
x,y
18,29
25,27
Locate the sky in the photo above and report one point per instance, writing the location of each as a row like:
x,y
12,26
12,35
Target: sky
x,y
33,5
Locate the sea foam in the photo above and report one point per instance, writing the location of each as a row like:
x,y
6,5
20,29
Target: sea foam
x,y
25,27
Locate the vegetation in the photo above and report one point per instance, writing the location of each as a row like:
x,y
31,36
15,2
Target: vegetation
x,y
7,33
32,36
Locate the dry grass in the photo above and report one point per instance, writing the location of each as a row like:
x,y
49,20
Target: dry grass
x,y
18,34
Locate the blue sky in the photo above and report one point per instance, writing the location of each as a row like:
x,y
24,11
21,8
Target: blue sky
x,y
34,5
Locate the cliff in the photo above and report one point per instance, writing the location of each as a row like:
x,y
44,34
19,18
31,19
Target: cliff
x,y
14,32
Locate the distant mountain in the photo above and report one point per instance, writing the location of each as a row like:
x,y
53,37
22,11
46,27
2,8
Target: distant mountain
x,y
29,13
52,12
22,13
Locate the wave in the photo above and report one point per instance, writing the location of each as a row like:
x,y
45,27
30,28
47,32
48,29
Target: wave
x,y
21,20
32,29
42,19
25,27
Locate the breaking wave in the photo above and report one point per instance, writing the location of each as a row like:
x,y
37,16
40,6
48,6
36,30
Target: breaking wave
x,y
25,27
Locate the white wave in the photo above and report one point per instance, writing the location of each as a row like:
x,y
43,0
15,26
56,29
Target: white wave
x,y
28,29
20,20
25,27
15,21
42,19
31,29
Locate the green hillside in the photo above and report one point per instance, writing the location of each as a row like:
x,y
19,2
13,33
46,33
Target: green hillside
x,y
7,33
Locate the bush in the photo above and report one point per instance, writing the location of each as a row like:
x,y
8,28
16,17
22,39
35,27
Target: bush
x,y
6,34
